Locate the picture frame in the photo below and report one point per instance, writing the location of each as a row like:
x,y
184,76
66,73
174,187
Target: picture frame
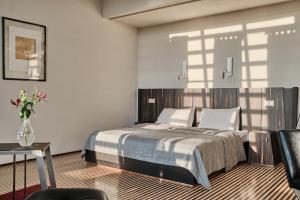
x,y
23,50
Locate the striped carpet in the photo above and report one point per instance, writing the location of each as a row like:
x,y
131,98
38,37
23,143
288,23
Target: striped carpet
x,y
243,182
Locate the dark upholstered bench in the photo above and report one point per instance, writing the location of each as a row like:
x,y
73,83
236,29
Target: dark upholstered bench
x,y
68,194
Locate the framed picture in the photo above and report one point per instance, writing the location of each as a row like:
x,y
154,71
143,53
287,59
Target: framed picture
x,y
24,50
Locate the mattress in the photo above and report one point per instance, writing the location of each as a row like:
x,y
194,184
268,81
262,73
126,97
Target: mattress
x,y
201,151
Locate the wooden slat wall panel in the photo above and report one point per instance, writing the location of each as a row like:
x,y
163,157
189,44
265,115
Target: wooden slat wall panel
x,y
225,97
142,105
259,153
202,98
274,117
268,153
291,107
147,111
254,115
264,149
188,96
251,104
264,113
159,101
152,106
254,157
244,102
275,114
178,93
169,98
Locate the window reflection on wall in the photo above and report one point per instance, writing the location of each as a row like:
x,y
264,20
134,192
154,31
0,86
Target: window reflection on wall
x,y
254,38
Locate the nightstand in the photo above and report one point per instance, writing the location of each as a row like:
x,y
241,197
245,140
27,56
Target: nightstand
x,y
264,148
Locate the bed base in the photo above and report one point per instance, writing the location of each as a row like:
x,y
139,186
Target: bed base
x,y
172,173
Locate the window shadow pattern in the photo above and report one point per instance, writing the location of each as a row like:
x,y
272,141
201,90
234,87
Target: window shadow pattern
x,y
255,46
255,114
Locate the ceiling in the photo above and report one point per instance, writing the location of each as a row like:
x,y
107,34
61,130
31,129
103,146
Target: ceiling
x,y
189,10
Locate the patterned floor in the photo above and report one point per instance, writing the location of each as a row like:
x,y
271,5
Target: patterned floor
x,y
243,182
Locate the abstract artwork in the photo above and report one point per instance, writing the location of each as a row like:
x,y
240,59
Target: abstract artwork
x,y
24,50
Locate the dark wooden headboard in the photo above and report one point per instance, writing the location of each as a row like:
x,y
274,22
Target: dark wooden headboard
x,y
257,111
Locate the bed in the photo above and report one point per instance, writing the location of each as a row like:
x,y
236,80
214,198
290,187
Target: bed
x,y
184,154
189,148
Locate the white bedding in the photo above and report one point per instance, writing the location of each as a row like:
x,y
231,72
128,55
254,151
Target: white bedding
x,y
224,119
201,151
180,117
244,135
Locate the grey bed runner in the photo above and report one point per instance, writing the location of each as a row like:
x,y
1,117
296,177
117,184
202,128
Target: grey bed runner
x,y
201,151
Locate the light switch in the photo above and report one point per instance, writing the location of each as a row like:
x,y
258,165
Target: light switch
x,y
151,100
269,103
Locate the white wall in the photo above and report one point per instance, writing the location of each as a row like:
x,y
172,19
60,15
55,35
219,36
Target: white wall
x,y
265,46
115,8
91,74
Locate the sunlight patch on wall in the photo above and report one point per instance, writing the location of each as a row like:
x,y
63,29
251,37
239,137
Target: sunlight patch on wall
x,y
244,84
242,43
210,74
189,34
271,23
195,85
253,40
200,84
244,73
258,72
259,84
243,56
196,59
224,29
255,84
256,55
194,45
209,58
209,43
196,74
260,38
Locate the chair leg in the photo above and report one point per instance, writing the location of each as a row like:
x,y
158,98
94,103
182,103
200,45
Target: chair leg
x,y
297,192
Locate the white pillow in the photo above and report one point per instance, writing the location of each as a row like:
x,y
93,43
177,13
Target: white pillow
x,y
178,117
224,119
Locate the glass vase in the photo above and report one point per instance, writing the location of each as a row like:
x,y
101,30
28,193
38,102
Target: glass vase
x,y
26,134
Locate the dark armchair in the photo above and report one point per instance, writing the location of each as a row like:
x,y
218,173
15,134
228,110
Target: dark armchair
x,y
289,141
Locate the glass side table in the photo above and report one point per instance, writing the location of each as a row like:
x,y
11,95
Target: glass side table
x,y
37,149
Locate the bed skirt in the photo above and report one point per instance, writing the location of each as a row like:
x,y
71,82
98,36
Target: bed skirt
x,y
172,173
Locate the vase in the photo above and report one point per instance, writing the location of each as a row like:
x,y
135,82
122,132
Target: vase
x,y
26,134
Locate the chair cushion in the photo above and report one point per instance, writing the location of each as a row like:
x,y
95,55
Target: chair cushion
x,y
68,194
290,145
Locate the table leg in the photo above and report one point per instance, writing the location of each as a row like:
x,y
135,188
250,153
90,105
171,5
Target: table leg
x,y
50,167
25,174
14,176
41,169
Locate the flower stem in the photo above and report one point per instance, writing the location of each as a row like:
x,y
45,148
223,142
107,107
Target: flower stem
x,y
25,131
